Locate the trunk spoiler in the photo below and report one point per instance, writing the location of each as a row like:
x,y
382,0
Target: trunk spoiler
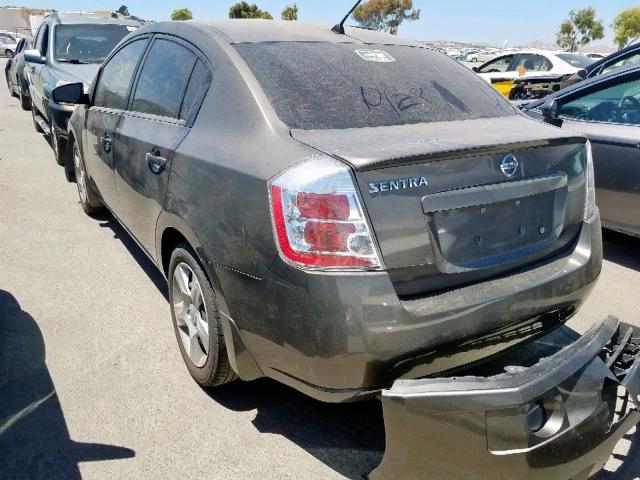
x,y
381,147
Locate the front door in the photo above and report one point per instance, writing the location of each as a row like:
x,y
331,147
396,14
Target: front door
x,y
109,102
610,117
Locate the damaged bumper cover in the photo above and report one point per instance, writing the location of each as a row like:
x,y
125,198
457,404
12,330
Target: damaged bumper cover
x,y
559,418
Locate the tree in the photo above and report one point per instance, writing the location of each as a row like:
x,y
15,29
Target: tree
x,y
244,10
123,10
181,14
290,12
385,15
580,29
626,27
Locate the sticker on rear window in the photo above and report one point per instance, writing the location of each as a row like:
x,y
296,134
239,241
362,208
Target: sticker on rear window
x,y
375,56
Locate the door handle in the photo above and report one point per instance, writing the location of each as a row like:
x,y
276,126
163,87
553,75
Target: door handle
x,y
156,163
107,144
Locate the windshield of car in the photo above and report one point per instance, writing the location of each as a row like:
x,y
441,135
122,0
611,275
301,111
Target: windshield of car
x,y
575,60
316,85
87,43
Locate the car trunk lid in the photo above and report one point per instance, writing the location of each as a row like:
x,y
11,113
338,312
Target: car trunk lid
x,y
456,202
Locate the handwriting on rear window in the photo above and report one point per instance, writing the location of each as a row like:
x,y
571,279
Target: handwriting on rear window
x,y
404,101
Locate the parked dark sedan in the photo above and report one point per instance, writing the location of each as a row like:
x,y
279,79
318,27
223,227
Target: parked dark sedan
x,y
350,213
16,80
607,110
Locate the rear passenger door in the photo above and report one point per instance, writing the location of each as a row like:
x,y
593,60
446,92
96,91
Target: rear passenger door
x,y
170,86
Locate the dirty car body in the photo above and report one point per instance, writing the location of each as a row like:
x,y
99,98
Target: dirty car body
x,y
366,211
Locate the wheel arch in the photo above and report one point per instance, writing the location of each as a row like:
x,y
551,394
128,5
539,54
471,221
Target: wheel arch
x,y
171,231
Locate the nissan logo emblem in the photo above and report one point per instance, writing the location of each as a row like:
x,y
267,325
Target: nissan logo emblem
x,y
509,165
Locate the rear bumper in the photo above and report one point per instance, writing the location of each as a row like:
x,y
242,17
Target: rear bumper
x,y
340,337
483,427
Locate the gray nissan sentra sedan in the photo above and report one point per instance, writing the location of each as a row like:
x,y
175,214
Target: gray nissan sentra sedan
x,y
356,215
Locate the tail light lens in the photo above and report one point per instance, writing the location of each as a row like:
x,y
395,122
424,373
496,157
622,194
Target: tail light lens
x,y
318,218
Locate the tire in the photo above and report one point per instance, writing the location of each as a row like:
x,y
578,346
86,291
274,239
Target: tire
x,y
12,91
35,123
207,359
89,201
59,146
25,102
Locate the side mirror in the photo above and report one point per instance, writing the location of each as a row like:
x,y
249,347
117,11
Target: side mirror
x,y
34,56
475,69
550,110
70,93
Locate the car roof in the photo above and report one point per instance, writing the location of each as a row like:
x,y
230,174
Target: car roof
x,y
258,30
84,18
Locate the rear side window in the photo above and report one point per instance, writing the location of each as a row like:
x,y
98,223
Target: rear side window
x,y
113,85
163,79
198,86
314,85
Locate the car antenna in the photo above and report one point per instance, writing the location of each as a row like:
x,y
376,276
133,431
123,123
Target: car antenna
x,y
339,28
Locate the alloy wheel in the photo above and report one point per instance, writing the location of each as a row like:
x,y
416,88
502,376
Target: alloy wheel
x,y
190,314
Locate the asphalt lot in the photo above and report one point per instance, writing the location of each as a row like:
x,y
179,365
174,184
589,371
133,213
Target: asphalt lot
x,y
89,359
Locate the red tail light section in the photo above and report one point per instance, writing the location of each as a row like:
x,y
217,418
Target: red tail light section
x,y
318,218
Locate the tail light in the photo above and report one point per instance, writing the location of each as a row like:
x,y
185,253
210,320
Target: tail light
x,y
590,197
318,218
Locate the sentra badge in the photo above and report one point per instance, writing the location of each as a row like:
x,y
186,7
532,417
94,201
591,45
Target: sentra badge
x,y
399,184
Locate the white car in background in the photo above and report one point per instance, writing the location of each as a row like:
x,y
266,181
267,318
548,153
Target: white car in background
x,y
525,63
7,46
481,57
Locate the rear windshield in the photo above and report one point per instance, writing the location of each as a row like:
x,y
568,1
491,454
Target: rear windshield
x,y
315,85
575,60
87,43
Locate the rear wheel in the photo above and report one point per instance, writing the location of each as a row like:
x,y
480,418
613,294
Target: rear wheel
x,y
35,122
196,320
59,146
89,201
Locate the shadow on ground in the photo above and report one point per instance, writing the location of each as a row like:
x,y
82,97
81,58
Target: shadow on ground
x,y
34,438
621,249
349,438
108,221
629,469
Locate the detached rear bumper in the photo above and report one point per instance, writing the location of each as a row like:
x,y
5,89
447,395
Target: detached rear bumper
x,y
559,418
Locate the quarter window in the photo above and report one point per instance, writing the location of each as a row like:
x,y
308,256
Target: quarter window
x,y
114,82
616,104
163,79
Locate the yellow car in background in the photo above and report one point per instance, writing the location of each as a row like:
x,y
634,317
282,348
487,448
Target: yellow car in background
x,y
502,70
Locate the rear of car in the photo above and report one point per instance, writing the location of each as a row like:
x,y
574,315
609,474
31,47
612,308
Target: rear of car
x,y
434,228
427,188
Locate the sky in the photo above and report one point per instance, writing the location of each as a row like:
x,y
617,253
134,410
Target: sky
x,y
490,21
